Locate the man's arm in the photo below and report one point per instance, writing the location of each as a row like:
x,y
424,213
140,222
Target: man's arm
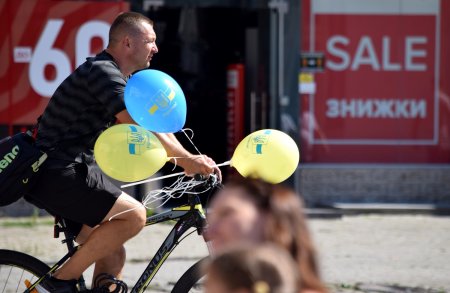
x,y
192,164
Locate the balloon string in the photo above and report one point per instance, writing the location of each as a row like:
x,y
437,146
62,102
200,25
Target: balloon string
x,y
152,179
176,190
118,214
190,138
227,163
175,163
126,211
189,129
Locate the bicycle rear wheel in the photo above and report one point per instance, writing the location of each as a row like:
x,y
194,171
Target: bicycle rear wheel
x,y
192,280
16,268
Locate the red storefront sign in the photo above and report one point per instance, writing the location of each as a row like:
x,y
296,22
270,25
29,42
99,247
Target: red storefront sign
x,y
42,42
378,99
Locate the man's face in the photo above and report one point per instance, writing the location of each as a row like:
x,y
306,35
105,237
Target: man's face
x,y
143,46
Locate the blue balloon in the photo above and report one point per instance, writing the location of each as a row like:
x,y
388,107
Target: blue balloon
x,y
155,101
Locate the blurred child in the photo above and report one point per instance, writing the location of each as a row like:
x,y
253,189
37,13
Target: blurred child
x,y
252,269
253,211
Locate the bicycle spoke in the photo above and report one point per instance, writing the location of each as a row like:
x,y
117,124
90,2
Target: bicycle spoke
x,y
20,281
12,278
7,279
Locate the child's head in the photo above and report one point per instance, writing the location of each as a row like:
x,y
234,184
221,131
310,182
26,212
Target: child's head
x,y
254,211
252,269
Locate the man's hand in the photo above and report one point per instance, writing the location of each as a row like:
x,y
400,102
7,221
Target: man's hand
x,y
199,164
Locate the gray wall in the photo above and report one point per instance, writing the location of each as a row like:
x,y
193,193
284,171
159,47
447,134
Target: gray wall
x,y
327,184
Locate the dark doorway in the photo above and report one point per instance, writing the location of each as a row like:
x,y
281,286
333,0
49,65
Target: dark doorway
x,y
195,47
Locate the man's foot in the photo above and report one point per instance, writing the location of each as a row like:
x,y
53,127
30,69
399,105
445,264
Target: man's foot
x,y
106,282
53,285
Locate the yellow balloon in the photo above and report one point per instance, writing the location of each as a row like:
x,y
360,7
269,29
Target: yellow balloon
x,y
128,152
268,154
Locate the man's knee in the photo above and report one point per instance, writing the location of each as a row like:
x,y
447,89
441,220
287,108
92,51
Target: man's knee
x,y
129,211
138,218
131,222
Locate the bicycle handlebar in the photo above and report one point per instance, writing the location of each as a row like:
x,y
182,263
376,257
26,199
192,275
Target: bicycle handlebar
x,y
211,180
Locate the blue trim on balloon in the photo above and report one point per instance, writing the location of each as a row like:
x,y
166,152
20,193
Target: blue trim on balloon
x,y
132,149
259,148
132,146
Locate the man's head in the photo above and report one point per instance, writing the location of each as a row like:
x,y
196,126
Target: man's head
x,y
132,40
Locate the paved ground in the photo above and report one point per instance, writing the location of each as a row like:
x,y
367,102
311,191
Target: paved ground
x,y
364,253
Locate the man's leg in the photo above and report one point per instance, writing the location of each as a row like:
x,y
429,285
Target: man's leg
x,y
111,264
107,238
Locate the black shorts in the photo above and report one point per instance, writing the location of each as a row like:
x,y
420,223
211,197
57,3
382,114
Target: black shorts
x,y
78,192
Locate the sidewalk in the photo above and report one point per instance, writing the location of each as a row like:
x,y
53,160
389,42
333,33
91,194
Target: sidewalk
x,y
358,253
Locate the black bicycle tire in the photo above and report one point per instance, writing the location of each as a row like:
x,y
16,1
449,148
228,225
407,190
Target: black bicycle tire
x,y
190,277
24,261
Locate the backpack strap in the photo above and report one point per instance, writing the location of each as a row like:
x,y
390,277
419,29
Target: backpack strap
x,y
35,128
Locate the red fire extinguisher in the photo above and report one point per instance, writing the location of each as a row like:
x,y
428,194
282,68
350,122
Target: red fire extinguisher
x,y
235,106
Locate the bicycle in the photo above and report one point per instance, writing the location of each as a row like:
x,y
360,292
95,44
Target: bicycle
x,y
20,272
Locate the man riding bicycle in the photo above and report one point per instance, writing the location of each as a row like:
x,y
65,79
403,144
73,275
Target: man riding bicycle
x,y
71,185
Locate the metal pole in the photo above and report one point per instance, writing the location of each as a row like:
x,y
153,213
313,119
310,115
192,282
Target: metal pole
x,y
285,105
280,7
273,87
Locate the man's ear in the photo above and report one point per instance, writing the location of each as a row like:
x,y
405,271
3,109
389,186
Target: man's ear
x,y
126,42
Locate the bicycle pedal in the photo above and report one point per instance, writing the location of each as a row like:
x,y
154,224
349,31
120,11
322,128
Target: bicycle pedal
x,y
104,281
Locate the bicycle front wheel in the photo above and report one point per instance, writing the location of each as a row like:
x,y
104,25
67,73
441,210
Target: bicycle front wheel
x,y
192,280
18,269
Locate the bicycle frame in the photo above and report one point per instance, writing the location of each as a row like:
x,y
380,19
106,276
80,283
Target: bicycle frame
x,y
188,216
